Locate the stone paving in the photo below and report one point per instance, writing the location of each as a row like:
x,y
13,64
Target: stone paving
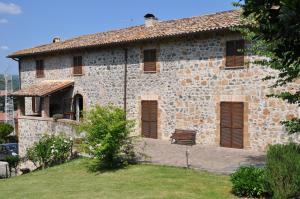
x,y
209,158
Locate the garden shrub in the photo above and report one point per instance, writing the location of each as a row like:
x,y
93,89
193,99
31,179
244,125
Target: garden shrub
x,y
283,170
107,137
5,130
50,150
13,162
248,181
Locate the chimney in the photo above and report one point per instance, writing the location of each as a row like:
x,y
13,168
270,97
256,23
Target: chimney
x,y
150,20
56,40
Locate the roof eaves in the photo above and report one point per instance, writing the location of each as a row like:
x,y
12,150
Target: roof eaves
x,y
122,42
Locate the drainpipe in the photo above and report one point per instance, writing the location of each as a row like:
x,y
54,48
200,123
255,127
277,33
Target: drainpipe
x,y
125,80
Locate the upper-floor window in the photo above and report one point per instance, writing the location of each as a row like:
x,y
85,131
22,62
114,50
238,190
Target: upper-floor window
x,y
150,60
39,68
77,65
235,53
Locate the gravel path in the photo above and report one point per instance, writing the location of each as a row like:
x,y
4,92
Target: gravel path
x,y
213,159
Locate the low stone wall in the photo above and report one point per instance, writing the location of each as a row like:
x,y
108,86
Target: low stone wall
x,y
32,128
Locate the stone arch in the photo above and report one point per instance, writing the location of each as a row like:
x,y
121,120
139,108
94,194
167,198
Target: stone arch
x,y
78,106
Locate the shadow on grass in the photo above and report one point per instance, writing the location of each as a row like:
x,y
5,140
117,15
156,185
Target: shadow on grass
x,y
96,167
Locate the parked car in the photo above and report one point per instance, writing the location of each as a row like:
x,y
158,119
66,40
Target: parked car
x,y
8,149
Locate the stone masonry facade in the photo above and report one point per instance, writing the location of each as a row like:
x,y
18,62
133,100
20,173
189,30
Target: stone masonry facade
x,y
190,83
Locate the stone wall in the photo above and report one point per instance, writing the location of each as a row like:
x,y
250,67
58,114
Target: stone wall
x,y
32,128
190,83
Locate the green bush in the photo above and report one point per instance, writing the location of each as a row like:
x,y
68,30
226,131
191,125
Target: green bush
x,y
248,181
13,162
107,137
283,171
50,150
5,130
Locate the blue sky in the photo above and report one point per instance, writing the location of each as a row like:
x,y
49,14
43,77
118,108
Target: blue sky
x,y
27,23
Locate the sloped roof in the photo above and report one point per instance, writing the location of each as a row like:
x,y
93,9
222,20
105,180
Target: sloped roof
x,y
43,88
212,22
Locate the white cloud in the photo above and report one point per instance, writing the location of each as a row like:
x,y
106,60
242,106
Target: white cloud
x,y
4,47
10,8
3,21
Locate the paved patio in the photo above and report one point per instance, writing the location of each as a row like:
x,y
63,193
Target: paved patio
x,y
213,159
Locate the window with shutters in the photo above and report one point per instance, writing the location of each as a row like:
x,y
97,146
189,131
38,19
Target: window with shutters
x,y
235,53
150,60
39,68
77,65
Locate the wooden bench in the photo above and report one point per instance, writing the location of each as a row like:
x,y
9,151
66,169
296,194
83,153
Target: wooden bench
x,y
185,137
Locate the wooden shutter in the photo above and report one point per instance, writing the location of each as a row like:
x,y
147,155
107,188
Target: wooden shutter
x,y
234,53
33,105
150,60
239,58
149,119
225,125
237,125
39,68
232,117
77,65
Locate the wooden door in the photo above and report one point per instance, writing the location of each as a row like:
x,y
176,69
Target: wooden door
x,y
232,114
149,119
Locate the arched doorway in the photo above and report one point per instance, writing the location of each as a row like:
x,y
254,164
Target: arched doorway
x,y
78,106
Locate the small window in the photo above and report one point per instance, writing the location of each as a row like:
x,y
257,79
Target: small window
x,y
77,65
235,53
39,68
150,60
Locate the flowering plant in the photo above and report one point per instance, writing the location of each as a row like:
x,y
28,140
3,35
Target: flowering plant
x,y
50,150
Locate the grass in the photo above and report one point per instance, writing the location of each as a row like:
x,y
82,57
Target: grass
x,y
72,180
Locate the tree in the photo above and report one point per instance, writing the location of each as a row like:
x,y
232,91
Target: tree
x,y
274,28
108,137
5,130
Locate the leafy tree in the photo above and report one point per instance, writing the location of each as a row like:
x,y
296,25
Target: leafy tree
x,y
5,130
274,28
107,137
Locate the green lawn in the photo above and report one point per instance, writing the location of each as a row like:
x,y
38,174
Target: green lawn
x,y
72,180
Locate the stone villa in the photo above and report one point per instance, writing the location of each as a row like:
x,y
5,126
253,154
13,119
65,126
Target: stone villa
x,y
179,74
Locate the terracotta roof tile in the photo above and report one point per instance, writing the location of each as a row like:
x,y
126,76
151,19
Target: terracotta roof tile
x,y
43,88
2,93
162,29
2,116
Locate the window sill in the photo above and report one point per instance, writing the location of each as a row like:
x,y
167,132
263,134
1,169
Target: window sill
x,y
78,75
234,67
149,72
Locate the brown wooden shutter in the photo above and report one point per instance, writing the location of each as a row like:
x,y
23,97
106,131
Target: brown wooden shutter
x,y
239,58
39,68
234,53
33,105
232,125
237,124
226,124
77,65
149,119
150,60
